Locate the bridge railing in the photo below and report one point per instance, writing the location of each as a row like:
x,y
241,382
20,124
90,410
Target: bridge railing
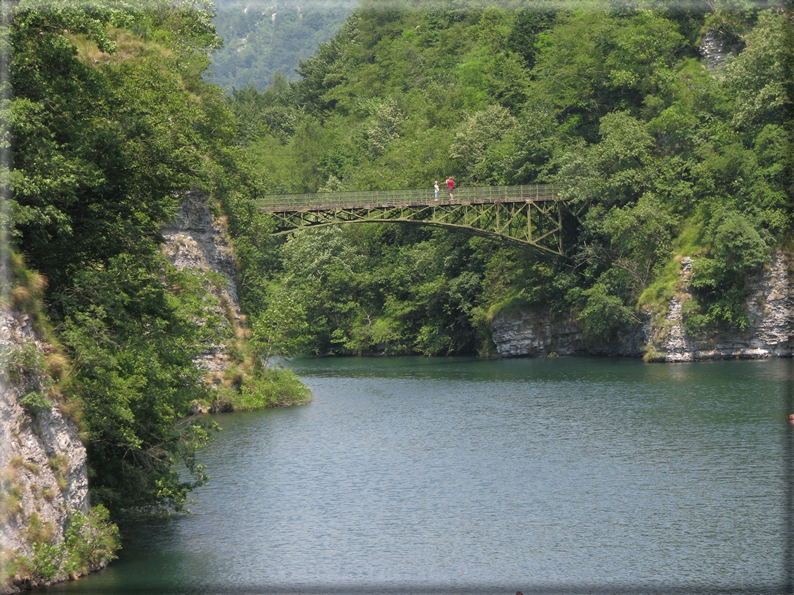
x,y
282,202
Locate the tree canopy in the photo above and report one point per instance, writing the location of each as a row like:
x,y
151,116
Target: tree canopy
x,y
265,41
111,125
659,155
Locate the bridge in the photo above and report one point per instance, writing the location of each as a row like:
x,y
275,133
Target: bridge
x,y
528,216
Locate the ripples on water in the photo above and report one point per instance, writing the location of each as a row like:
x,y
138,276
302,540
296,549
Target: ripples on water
x,y
411,475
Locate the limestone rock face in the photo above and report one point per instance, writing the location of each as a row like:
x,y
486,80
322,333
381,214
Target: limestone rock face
x,y
42,460
536,333
770,310
713,49
197,242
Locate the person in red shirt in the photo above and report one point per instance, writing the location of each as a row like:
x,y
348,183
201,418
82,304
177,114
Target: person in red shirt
x,y
451,187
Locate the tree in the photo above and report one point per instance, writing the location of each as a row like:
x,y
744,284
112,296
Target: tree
x,y
104,143
281,329
477,143
760,76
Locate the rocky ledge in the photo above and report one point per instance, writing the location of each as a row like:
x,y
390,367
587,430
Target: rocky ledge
x,y
198,242
770,310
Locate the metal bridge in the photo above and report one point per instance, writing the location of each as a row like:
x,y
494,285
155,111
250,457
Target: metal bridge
x,y
529,216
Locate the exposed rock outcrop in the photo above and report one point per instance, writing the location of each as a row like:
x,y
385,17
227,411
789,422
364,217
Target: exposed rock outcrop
x,y
770,311
198,242
537,333
715,49
43,462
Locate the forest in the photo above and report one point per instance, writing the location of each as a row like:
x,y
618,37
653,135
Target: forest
x,y
261,39
111,124
111,120
663,149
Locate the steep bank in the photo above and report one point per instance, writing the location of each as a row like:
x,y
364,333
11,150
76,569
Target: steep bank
x,y
770,310
198,243
45,521
526,332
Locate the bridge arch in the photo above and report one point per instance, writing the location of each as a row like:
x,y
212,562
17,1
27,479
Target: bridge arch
x,y
527,216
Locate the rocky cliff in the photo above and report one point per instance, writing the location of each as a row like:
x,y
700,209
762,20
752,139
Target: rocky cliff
x,y
770,309
48,532
199,243
537,333
44,473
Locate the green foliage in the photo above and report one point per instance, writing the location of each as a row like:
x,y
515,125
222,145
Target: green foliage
x,y
273,387
480,144
719,277
133,342
46,560
59,465
603,313
282,327
761,76
261,45
110,125
91,540
39,532
373,289
21,362
610,103
33,402
25,366
99,152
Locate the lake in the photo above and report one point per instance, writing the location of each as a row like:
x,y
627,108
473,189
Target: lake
x,y
454,475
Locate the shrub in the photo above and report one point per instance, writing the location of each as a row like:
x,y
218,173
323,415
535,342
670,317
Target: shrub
x,y
719,278
47,560
274,387
91,540
34,403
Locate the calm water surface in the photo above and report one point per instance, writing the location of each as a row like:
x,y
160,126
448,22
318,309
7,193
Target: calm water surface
x,y
409,475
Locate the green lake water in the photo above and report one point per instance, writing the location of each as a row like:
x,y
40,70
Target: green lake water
x,y
433,475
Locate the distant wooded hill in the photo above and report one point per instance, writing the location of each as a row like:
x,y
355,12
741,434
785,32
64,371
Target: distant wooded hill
x,y
262,37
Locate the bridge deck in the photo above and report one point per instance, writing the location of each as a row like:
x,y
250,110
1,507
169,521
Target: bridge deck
x,y
327,201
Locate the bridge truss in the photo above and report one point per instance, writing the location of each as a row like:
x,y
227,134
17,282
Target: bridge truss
x,y
528,216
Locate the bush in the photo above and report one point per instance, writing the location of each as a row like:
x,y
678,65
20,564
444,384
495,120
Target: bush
x,y
91,540
274,387
34,403
719,278
46,560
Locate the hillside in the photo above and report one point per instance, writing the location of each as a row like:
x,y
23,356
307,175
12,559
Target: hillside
x,y
263,37
663,127
111,128
665,130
